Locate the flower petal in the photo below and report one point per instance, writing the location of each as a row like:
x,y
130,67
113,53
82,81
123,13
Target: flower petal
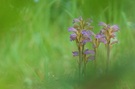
x,y
86,33
113,35
103,40
76,20
71,29
107,27
98,36
75,53
86,40
115,28
102,24
73,37
102,31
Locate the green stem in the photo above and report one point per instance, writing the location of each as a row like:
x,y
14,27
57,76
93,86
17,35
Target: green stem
x,y
108,57
95,61
84,60
80,62
84,69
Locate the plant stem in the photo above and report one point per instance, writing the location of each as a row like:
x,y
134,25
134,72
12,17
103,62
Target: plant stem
x,y
95,62
108,57
84,68
83,60
80,62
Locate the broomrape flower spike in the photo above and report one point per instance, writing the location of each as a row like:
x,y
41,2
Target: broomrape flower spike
x,y
81,34
109,33
98,38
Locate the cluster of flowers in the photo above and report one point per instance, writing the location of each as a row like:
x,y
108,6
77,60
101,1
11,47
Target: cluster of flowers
x,y
82,34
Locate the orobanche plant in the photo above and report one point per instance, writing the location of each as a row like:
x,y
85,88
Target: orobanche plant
x,y
82,34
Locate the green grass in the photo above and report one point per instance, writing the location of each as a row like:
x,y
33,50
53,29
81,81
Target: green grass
x,y
36,53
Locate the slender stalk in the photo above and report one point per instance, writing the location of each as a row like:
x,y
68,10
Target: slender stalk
x,y
84,65
80,62
83,60
95,61
108,57
84,68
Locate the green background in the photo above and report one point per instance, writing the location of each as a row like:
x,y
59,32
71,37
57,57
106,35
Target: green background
x,y
36,52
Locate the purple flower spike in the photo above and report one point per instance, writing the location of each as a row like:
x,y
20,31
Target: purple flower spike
x,y
71,29
73,37
75,53
89,51
102,24
115,28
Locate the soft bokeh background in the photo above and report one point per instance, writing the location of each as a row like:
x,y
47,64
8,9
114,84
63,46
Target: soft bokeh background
x,y
36,53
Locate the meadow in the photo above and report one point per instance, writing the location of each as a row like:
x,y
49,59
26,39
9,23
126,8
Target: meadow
x,y
36,51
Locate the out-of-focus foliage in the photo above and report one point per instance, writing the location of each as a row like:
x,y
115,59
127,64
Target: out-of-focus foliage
x,y
36,53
